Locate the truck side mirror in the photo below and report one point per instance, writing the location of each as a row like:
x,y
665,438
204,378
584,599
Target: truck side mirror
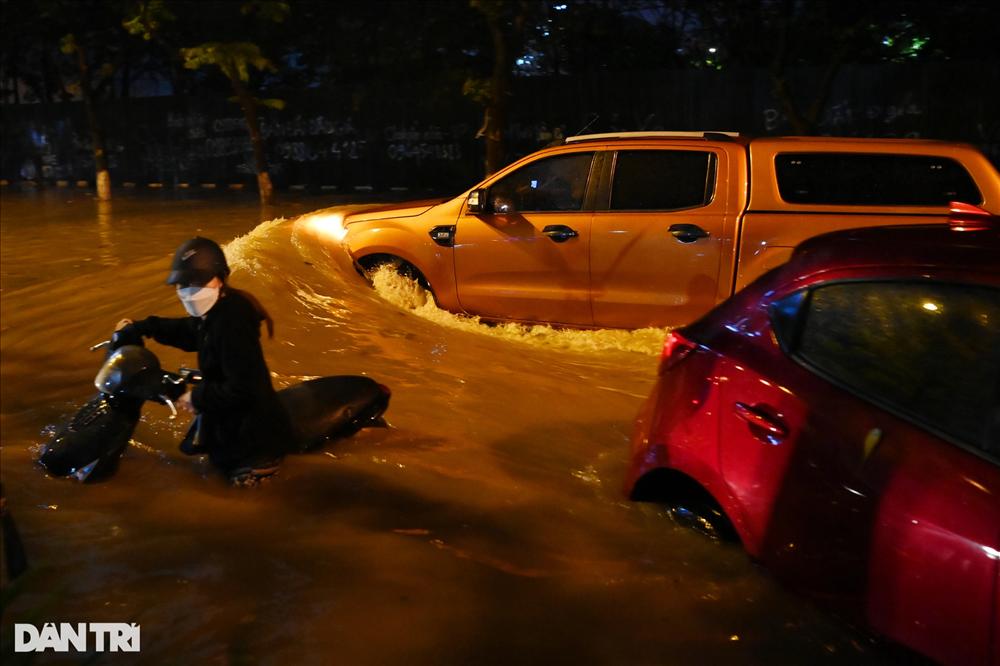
x,y
478,202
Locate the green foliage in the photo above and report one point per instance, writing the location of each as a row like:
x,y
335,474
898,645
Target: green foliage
x,y
901,40
68,44
494,10
477,89
271,103
148,19
266,10
234,58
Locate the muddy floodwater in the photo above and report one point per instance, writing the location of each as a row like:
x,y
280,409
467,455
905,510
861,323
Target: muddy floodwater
x,y
486,524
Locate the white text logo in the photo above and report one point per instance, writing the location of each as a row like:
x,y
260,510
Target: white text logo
x,y
80,637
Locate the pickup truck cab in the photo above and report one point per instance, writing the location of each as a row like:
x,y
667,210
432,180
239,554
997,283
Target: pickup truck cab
x,y
654,229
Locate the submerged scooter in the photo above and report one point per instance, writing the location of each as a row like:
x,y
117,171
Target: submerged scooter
x,y
90,445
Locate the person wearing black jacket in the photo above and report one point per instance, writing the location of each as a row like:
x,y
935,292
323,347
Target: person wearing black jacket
x,y
240,423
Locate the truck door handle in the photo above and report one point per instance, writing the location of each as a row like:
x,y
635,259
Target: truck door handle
x,y
775,430
559,232
687,233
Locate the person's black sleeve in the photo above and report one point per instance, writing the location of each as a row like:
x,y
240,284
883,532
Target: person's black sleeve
x,y
181,332
243,370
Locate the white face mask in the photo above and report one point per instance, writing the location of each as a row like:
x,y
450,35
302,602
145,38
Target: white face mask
x,y
198,300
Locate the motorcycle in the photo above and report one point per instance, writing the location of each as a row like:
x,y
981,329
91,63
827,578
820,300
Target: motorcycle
x,y
90,445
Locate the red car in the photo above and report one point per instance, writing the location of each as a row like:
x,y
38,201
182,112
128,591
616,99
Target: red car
x,y
841,416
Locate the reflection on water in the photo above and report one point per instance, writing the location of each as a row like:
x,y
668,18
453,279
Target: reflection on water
x,y
485,525
105,233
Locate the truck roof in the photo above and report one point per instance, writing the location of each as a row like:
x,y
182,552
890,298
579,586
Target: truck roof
x,y
826,142
612,136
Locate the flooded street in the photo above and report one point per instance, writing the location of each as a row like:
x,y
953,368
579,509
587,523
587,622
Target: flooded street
x,y
485,525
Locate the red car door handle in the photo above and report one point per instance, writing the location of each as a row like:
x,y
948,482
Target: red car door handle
x,y
755,417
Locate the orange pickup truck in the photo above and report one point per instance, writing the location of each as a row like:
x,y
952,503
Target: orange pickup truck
x,y
653,229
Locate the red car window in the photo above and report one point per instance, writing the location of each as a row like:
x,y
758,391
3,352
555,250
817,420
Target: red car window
x,y
928,351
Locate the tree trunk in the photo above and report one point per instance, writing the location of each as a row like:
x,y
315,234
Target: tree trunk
x,y
249,107
15,75
102,176
800,124
805,122
47,80
495,121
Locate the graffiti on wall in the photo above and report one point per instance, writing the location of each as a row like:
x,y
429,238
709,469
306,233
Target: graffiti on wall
x,y
424,142
193,145
850,118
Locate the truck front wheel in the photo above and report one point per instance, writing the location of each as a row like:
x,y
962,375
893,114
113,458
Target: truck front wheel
x,y
371,264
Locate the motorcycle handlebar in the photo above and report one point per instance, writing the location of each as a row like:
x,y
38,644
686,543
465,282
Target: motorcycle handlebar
x,y
172,385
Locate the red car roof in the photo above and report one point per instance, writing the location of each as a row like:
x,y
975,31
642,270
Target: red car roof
x,y
847,255
937,245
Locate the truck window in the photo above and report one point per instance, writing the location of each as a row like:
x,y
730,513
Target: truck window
x,y
662,179
929,351
864,179
551,184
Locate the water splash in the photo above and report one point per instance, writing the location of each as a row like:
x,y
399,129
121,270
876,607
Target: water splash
x,y
326,310
409,295
243,251
246,252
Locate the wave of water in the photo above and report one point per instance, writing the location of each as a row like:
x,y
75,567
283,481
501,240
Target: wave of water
x,y
408,294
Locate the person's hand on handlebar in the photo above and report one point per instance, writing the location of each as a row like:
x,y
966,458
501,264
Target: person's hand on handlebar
x,y
125,334
184,402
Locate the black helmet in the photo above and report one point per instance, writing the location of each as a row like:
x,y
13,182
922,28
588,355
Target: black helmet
x,y
197,261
